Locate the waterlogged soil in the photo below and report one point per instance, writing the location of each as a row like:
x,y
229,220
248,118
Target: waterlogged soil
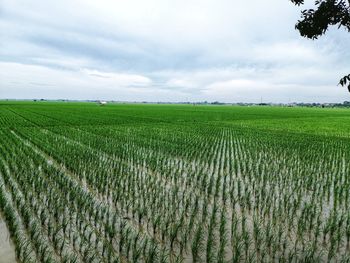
x,y
7,252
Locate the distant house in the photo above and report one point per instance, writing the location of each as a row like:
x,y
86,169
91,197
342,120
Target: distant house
x,y
102,103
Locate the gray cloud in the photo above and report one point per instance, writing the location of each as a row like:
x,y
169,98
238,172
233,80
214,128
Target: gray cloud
x,y
166,50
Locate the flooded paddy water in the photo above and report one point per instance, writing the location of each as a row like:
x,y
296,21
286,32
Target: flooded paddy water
x,y
7,252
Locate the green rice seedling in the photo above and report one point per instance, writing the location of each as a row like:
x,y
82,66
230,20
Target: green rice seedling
x,y
197,244
124,180
223,242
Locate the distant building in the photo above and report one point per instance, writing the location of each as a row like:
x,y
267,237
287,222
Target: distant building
x,y
102,102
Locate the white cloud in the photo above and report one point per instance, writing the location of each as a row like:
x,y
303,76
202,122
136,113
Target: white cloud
x,y
244,90
121,79
32,81
166,50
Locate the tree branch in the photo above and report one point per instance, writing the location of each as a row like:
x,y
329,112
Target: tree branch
x,y
345,81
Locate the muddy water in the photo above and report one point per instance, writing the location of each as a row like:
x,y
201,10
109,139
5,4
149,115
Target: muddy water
x,y
7,252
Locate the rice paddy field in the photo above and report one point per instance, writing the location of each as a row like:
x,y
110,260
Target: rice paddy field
x,y
81,182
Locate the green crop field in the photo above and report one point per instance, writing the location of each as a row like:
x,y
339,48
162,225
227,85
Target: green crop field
x,y
81,182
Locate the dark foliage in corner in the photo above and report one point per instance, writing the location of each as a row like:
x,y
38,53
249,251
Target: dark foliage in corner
x,y
315,22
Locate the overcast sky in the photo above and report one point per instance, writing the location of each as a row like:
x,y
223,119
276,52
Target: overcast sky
x,y
166,50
